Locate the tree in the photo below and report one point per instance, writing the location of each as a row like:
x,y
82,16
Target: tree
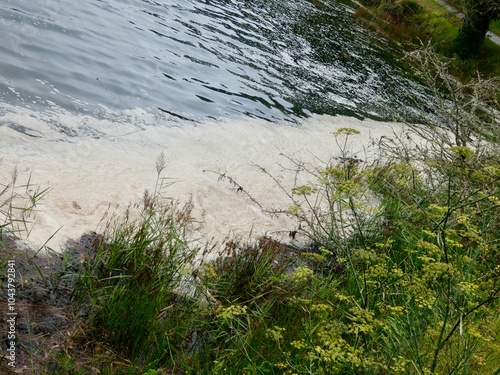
x,y
460,114
478,15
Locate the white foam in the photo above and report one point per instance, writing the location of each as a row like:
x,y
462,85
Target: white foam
x,y
109,164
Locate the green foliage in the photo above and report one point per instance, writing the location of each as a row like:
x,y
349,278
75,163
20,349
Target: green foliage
x,y
139,273
18,203
417,277
447,264
404,278
403,284
401,275
410,22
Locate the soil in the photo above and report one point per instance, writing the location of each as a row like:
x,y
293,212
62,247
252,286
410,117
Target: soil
x,y
47,321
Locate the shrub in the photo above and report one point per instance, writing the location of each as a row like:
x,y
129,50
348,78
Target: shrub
x,y
138,283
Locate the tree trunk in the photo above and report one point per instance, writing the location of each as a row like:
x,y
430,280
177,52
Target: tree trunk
x,y
472,33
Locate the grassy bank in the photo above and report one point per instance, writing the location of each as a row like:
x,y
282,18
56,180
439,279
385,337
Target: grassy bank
x,y
411,21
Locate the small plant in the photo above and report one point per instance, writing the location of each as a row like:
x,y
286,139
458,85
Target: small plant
x,y
18,205
138,282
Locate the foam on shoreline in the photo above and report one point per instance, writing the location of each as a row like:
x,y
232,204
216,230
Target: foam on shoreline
x,y
93,166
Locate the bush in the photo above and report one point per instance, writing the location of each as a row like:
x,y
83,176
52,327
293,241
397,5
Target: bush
x,y
399,11
418,263
141,270
18,203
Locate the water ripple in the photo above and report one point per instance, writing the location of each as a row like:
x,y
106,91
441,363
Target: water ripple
x,y
192,59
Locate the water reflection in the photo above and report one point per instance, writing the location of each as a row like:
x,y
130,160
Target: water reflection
x,y
270,59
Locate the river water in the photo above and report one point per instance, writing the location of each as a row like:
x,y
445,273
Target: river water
x,y
91,92
193,59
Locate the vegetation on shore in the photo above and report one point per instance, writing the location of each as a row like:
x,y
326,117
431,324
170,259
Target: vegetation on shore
x,y
400,274
397,270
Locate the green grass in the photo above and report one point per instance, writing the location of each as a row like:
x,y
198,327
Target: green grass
x,y
432,23
18,204
135,286
443,28
495,27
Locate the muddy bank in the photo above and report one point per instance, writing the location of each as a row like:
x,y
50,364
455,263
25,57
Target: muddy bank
x,y
42,307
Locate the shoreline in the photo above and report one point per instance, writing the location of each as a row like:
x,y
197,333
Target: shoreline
x,y
89,178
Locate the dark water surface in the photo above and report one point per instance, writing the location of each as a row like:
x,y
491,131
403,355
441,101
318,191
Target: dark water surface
x,y
273,59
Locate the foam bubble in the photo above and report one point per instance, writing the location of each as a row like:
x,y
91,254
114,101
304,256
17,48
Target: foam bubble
x,y
93,166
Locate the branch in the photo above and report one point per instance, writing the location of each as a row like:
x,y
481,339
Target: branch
x,y
224,176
